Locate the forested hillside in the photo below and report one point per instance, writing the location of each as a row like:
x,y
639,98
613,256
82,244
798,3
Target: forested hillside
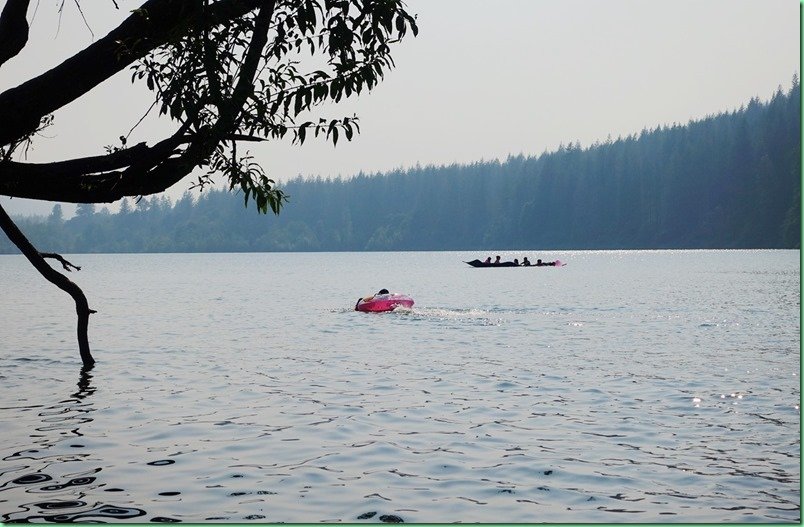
x,y
732,180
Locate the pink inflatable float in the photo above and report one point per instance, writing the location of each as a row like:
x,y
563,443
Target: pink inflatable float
x,y
383,302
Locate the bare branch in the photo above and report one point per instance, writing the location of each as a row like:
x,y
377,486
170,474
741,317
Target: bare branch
x,y
13,29
80,166
56,278
64,263
81,11
94,179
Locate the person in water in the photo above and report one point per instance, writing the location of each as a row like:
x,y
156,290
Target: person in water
x,y
526,262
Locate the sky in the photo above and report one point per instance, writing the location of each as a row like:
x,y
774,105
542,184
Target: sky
x,y
483,80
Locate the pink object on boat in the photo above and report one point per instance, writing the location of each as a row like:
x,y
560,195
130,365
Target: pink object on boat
x,y
387,302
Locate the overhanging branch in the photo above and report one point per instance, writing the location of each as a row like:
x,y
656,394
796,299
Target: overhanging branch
x,y
73,167
154,24
100,179
13,29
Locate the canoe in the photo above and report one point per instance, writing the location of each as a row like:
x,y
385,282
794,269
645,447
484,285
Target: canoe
x,y
478,263
380,303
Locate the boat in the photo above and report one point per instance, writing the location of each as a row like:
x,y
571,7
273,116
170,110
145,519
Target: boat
x,y
478,263
383,302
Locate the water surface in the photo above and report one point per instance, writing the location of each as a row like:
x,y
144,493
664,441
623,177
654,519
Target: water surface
x,y
628,386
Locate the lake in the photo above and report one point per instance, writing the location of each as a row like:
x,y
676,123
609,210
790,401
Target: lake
x,y
626,386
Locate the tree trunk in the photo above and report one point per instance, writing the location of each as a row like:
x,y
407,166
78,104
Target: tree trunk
x,y
59,280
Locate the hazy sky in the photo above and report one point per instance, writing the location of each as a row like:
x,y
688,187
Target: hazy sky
x,y
484,79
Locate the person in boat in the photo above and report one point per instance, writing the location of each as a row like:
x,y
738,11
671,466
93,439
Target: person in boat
x,y
516,261
497,259
382,291
526,262
539,262
487,260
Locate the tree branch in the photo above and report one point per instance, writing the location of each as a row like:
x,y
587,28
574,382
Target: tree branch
x,y
64,263
94,179
208,138
80,166
156,23
56,278
245,81
13,29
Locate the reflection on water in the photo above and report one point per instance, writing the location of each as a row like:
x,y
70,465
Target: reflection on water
x,y
616,389
61,422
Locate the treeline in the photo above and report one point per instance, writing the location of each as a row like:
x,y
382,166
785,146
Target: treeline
x,y
731,180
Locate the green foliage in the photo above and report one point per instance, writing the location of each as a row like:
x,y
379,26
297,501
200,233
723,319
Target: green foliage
x,y
201,79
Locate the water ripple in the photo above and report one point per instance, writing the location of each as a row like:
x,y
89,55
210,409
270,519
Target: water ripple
x,y
604,393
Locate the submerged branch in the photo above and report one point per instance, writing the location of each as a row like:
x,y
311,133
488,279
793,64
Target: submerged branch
x,y
56,278
64,263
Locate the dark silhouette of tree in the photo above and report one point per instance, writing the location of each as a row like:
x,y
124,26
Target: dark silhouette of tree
x,y
225,71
